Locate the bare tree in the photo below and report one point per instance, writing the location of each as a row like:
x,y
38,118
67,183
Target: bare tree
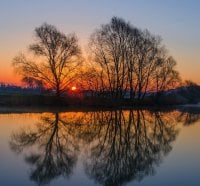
x,y
130,59
56,58
108,45
144,63
165,76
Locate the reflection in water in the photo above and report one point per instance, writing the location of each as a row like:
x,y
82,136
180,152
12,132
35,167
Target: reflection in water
x,y
119,146
128,145
56,153
188,118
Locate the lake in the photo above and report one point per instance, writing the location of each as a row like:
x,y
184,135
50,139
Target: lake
x,y
117,147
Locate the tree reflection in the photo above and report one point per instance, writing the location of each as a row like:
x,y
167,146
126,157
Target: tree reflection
x,y
188,118
119,146
128,145
56,152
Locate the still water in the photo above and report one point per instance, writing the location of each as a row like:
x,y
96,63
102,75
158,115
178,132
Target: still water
x,y
121,147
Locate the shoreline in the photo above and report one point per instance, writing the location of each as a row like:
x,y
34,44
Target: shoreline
x,y
54,109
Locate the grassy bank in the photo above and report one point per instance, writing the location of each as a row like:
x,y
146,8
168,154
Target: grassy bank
x,y
52,101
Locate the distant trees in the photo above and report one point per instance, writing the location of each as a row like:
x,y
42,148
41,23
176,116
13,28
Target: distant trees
x,y
190,91
31,82
56,59
131,60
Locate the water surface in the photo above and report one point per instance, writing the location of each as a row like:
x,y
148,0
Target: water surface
x,y
121,147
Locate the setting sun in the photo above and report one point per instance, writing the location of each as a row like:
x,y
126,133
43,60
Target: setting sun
x,y
73,88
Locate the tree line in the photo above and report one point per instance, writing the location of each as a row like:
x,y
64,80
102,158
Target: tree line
x,y
122,59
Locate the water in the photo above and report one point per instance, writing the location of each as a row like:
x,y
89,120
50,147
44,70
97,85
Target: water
x,y
122,147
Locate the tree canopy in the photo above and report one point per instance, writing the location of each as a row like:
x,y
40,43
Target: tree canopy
x,y
132,60
56,59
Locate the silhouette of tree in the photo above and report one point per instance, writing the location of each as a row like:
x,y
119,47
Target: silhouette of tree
x,y
56,59
57,150
32,82
190,91
130,59
165,76
109,45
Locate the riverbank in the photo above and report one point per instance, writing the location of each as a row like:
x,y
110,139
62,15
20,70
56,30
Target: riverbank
x,y
55,109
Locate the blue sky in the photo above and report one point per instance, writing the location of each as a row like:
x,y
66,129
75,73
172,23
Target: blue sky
x,y
176,21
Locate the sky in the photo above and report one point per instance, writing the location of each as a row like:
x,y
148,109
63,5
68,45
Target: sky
x,y
176,21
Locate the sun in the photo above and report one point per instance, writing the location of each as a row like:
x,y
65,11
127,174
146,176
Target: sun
x,y
73,88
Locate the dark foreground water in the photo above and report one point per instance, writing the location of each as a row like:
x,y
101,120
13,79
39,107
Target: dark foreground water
x,y
100,148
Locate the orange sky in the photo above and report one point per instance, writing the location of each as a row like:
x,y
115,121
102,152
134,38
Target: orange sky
x,y
187,63
175,21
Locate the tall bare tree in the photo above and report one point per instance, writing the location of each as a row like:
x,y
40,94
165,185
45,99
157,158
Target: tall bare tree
x,y
128,59
56,58
109,45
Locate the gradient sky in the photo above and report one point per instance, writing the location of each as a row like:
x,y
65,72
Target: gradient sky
x,y
177,21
